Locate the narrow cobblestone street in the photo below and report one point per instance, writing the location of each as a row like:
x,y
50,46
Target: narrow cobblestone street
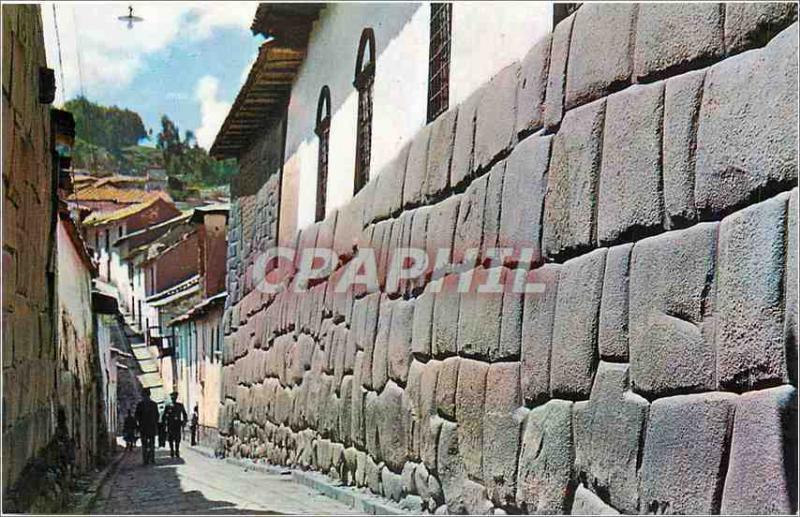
x,y
195,484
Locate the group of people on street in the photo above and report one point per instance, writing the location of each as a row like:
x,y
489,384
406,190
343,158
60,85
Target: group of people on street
x,y
149,424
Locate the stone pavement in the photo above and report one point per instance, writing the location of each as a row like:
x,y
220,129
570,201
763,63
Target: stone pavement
x,y
196,484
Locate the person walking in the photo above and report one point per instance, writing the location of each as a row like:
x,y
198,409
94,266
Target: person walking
x,y
162,429
193,424
129,430
176,417
147,421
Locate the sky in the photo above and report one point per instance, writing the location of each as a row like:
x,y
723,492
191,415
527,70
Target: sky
x,y
186,60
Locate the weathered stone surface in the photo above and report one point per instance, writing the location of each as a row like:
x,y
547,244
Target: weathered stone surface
x,y
612,334
446,388
417,168
762,471
671,281
470,395
749,332
630,178
442,225
510,343
684,452
460,493
608,437
544,481
372,424
399,351
445,319
391,484
537,331
443,133
752,24
469,225
391,434
574,345
790,332
389,186
493,207
524,188
573,182
380,354
747,132
422,326
461,167
532,86
479,319
682,97
501,431
586,503
373,475
600,54
496,116
673,38
557,73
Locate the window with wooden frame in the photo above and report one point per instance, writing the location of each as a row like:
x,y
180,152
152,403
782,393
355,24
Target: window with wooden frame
x,y
439,60
323,131
364,82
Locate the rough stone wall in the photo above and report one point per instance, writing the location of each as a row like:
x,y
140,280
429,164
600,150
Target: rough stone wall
x,y
29,352
648,155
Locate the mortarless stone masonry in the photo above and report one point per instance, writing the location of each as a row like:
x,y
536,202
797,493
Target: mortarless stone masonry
x,y
653,374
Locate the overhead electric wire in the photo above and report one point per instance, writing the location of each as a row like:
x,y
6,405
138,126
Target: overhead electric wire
x,y
60,60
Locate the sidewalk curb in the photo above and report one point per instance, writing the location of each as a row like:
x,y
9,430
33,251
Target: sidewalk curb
x,y
88,501
360,501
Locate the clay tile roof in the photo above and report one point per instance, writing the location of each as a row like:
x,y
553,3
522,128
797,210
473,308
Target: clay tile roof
x,y
98,218
116,195
266,92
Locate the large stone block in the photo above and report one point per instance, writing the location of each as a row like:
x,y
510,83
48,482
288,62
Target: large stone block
x,y
630,203
674,38
749,330
440,154
388,196
479,319
524,188
600,54
510,344
446,388
684,453
747,131
442,226
399,350
532,87
573,182
445,319
612,335
463,144
496,117
753,24
539,310
682,97
557,73
501,432
470,396
461,495
417,168
574,345
469,224
422,326
762,470
544,480
671,304
391,432
380,353
609,432
493,207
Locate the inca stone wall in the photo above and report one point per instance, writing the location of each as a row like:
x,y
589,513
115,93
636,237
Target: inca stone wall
x,y
30,362
647,154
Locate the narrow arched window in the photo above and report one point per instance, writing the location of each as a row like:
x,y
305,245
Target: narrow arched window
x,y
323,131
364,81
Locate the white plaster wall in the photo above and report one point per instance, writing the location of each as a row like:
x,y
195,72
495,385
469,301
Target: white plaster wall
x,y
486,37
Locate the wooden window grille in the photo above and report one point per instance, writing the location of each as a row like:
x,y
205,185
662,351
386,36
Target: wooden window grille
x,y
364,82
439,60
323,131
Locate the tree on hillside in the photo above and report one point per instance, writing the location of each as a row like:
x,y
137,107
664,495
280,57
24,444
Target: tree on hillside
x,y
111,128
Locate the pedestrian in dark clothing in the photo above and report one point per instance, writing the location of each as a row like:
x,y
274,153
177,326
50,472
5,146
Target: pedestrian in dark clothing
x,y
129,430
162,430
176,417
193,424
147,421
